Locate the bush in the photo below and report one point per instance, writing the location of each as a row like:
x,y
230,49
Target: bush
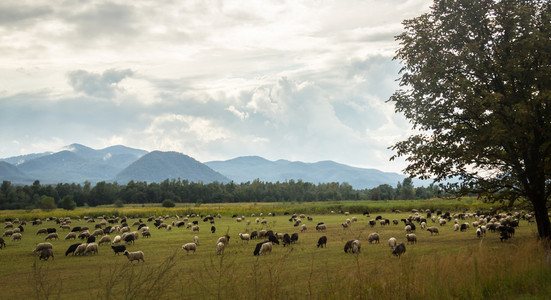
x,y
118,203
168,203
47,203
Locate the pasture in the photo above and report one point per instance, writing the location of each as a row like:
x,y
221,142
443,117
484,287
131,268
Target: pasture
x,y
449,265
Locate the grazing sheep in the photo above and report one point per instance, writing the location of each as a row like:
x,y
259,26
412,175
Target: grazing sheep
x,y
118,249
352,246
286,240
51,236
72,249
105,239
262,233
91,239
128,239
265,248
294,237
455,227
65,227
223,239
143,228
46,253
2,243
433,230
195,228
16,236
257,248
482,229
80,249
84,234
303,227
423,225
71,235
117,239
411,238
220,248
196,240
464,227
97,232
189,247
212,229
322,242
408,228
41,246
392,242
91,248
146,234
132,256
8,233
244,237
321,227
42,231
373,237
344,225
478,233
399,250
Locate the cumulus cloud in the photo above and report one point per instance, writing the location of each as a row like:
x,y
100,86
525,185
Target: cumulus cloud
x,y
98,85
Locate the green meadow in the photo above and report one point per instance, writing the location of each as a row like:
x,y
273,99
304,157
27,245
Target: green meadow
x,y
455,265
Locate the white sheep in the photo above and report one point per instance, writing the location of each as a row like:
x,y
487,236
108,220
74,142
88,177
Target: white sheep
x,y
354,219
303,227
266,248
220,248
411,238
51,236
132,256
189,247
41,246
408,228
80,249
71,235
97,232
222,239
373,237
392,242
105,239
423,225
455,227
117,239
169,228
196,240
16,236
195,228
91,248
244,237
145,228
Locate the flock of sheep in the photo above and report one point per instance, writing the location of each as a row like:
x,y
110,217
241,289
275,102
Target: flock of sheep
x,y
104,227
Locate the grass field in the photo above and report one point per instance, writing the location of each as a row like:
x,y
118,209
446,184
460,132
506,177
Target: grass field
x,y
454,265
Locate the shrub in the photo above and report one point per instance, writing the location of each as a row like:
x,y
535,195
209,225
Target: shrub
x,y
168,203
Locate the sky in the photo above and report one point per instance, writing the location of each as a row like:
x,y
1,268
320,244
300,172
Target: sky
x,y
297,80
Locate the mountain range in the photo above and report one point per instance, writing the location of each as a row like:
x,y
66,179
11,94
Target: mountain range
x,y
77,163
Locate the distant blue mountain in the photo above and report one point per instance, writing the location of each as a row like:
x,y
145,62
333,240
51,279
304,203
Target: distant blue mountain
x,y
78,163
249,168
158,166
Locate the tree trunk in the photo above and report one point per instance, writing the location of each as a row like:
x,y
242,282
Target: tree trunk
x,y
542,220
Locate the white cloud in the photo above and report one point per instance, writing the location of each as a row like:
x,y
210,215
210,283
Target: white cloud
x,y
213,79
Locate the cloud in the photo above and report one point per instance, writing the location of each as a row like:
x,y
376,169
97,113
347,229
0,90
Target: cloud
x,y
98,85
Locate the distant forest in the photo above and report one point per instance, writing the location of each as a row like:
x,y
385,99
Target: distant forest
x,y
68,196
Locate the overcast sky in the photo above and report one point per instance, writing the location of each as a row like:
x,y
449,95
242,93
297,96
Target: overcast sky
x,y
296,80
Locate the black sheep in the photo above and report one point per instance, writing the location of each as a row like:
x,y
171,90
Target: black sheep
x,y
372,223
296,224
51,230
21,229
212,229
399,250
378,218
254,235
72,249
463,227
286,240
97,226
129,238
45,254
2,243
141,225
273,239
348,246
91,239
366,213
322,242
118,249
195,222
76,229
294,237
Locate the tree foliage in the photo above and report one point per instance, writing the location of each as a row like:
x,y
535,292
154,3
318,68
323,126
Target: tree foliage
x,y
475,84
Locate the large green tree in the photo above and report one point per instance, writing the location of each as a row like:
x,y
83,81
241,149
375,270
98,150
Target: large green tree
x,y
476,85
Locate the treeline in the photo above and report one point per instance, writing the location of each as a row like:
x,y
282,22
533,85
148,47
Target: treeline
x,y
69,196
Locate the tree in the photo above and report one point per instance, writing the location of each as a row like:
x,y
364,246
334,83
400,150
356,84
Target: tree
x,y
475,84
67,203
47,203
